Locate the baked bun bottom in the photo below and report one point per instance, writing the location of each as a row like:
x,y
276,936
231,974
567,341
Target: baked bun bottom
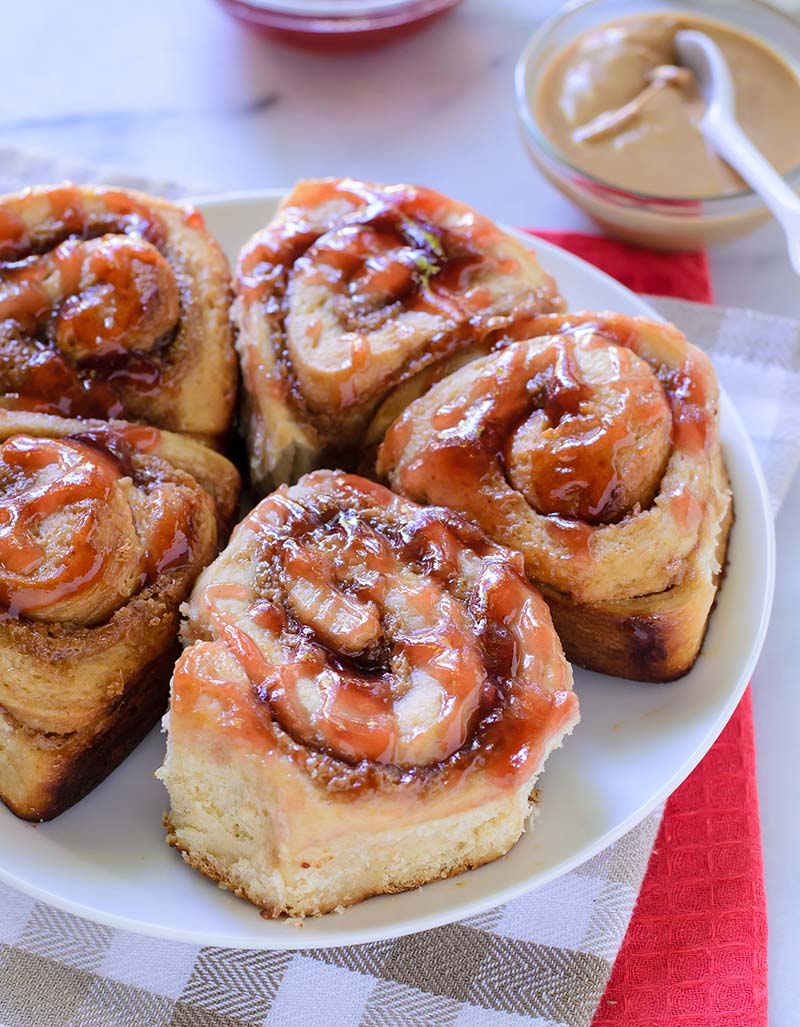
x,y
221,820
43,774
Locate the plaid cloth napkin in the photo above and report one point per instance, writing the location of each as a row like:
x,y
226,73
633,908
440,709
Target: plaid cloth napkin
x,y
542,960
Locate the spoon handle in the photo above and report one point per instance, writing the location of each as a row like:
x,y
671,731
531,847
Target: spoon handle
x,y
731,143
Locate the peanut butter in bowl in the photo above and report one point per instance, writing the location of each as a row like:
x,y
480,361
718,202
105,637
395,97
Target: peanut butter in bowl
x,y
612,120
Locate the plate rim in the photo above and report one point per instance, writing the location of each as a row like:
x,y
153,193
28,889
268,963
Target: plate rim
x,y
466,907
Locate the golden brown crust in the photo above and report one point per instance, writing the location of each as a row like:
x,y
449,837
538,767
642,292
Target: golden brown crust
x,y
139,295
592,447
274,911
350,291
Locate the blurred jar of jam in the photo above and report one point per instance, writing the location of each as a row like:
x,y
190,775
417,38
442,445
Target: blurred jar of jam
x,y
337,24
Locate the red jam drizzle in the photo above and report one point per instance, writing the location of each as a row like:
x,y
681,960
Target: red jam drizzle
x,y
381,251
518,636
686,509
75,473
245,650
688,388
268,616
42,476
388,245
194,219
342,609
692,425
227,590
202,667
603,446
582,451
85,296
143,437
170,544
344,572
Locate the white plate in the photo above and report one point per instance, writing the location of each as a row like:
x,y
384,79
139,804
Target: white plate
x,y
106,859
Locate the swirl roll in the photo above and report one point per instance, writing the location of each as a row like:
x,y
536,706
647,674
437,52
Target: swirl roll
x,y
370,692
350,291
104,527
114,304
592,447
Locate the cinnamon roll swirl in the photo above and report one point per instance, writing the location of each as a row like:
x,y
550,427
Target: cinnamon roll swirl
x,y
592,448
114,304
103,530
351,290
370,692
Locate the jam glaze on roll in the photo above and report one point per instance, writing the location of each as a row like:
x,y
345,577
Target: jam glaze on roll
x,y
592,447
379,686
101,539
114,304
350,291
77,536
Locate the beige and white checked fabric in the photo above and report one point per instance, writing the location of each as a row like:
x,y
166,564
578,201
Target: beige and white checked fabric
x,y
543,960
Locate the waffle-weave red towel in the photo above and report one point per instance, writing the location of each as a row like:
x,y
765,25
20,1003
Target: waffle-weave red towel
x,y
695,954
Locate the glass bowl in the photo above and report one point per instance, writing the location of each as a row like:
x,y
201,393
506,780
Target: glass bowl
x,y
640,217
337,24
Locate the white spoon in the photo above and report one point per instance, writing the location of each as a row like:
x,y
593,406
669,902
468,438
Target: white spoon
x,y
704,58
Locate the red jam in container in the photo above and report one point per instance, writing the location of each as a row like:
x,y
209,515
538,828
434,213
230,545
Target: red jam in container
x,y
337,24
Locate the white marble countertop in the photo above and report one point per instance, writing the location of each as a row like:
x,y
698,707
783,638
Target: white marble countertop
x,y
178,90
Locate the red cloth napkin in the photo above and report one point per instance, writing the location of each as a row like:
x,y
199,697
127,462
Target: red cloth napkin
x,y
695,954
